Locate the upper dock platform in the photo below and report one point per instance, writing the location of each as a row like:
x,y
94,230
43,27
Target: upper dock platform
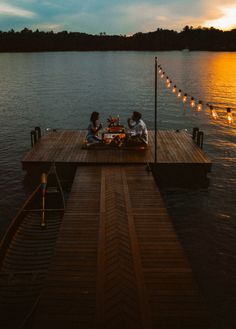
x,y
67,146
178,156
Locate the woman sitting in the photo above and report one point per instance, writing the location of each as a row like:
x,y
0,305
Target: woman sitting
x,y
93,129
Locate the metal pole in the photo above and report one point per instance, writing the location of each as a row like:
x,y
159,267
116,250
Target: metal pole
x,y
155,157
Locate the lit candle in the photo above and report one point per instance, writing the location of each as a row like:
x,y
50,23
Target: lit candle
x,y
229,116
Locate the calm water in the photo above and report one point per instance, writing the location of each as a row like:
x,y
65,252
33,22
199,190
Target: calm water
x,y
60,90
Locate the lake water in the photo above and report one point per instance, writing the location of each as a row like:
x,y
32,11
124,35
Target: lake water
x,y
60,90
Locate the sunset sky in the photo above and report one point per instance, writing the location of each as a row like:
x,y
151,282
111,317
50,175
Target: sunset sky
x,y
116,17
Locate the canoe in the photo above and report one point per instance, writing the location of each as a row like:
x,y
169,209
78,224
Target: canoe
x,y
26,250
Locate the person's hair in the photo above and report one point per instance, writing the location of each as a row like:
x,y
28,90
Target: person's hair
x,y
94,117
137,115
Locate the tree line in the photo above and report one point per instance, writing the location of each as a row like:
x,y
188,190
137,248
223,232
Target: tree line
x,y
209,39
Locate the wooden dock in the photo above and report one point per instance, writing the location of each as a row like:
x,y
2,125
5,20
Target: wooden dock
x,y
118,262
179,160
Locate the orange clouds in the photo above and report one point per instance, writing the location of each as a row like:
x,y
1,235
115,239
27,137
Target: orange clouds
x,y
226,20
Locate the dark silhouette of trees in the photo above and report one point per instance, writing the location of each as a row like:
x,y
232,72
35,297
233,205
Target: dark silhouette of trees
x,y
162,39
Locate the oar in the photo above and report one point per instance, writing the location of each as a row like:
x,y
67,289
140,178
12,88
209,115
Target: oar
x,y
43,187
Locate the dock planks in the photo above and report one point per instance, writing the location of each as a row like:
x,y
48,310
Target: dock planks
x,y
65,146
118,262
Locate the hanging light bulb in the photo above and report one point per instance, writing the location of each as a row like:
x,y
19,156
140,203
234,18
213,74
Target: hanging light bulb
x,y
167,80
213,113
192,103
169,84
229,116
199,106
163,74
174,89
185,98
160,70
179,93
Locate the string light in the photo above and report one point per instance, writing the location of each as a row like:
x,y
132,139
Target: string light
x,y
199,107
229,116
192,102
213,113
169,84
174,89
185,98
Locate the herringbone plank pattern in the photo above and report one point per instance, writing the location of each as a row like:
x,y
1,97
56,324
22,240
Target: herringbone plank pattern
x,y
120,294
118,263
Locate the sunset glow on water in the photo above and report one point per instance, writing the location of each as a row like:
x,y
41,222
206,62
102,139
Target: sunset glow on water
x,y
60,90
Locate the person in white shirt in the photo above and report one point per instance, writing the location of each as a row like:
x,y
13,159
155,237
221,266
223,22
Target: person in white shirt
x,y
138,130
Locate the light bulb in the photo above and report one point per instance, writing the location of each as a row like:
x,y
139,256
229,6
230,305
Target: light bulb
x,y
213,113
192,102
199,107
179,93
229,116
185,98
169,84
174,89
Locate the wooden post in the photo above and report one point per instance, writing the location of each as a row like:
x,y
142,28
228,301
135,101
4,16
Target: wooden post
x,y
38,132
33,138
155,157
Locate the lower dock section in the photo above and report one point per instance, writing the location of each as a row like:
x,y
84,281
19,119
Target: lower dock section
x,y
118,262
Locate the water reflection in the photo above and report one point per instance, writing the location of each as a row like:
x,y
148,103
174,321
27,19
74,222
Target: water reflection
x,y
62,89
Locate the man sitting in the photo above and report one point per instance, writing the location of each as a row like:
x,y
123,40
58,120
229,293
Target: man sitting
x,y
138,130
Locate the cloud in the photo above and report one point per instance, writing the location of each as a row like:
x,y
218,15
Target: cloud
x,y
111,16
8,10
225,19
146,17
